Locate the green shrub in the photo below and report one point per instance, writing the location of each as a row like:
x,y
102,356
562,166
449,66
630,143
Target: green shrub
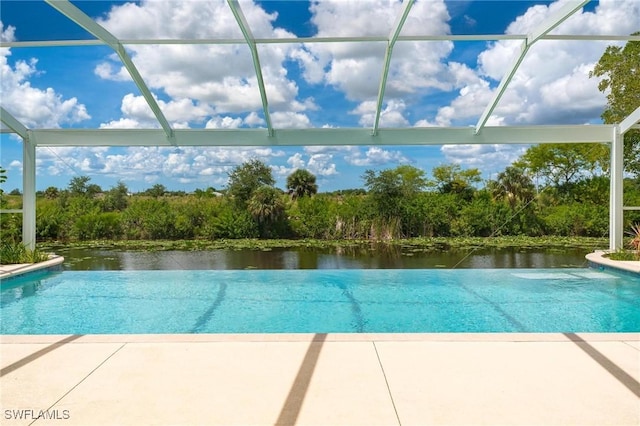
x,y
234,223
96,226
579,220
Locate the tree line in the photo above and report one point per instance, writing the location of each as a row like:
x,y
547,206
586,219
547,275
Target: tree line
x,y
401,202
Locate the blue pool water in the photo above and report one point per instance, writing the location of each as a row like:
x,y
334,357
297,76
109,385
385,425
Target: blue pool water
x,y
321,301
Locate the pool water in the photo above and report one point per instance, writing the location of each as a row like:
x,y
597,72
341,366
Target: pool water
x,y
321,301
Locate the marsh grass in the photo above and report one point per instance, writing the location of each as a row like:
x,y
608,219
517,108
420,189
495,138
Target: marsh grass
x,y
12,253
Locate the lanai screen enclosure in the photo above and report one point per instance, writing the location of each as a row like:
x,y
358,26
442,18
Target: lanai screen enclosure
x,y
163,133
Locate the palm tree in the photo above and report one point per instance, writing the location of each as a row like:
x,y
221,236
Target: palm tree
x,y
301,183
265,205
514,186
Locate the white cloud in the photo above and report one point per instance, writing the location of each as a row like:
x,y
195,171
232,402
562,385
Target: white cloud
x,y
105,70
216,80
179,112
224,123
487,158
322,165
254,120
296,161
551,85
376,156
355,68
290,120
34,107
207,165
390,116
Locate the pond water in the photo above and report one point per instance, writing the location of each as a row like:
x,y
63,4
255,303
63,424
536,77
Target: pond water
x,y
309,258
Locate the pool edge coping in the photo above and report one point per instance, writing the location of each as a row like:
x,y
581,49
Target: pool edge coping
x,y
16,270
311,337
597,259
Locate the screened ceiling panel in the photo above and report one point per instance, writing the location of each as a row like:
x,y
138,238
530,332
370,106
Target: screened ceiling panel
x,y
338,72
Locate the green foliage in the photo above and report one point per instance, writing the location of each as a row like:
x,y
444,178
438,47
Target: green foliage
x,y
452,179
313,217
148,218
97,226
267,209
388,189
51,193
481,217
157,190
234,224
354,214
116,198
11,227
50,220
619,68
248,177
395,207
576,219
513,186
80,186
562,164
624,255
13,253
301,183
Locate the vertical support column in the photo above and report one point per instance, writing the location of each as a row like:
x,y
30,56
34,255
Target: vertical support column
x,y
615,200
28,193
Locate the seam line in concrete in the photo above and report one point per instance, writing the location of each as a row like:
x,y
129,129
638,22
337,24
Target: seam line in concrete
x,y
629,344
375,348
83,379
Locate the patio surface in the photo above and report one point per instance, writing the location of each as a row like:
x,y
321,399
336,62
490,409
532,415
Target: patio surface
x,y
334,379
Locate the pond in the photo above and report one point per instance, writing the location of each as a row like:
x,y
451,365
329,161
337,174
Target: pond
x,y
385,257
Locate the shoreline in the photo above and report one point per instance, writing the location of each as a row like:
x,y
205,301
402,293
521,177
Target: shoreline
x,y
423,244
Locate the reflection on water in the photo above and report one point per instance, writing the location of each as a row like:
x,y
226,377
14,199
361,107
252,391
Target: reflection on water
x,y
305,258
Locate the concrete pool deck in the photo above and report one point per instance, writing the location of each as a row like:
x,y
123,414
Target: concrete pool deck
x,y
322,379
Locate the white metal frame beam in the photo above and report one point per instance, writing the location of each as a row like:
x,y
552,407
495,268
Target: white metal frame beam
x,y
13,123
326,136
393,37
251,42
616,180
84,21
616,194
290,40
29,193
630,122
536,34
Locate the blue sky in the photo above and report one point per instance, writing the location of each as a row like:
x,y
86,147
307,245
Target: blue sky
x,y
313,85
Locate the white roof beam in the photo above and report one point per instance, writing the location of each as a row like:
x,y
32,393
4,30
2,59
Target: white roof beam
x,y
393,37
536,34
296,40
84,21
326,136
630,122
251,42
13,123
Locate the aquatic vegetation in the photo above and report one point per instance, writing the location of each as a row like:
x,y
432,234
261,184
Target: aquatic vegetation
x,y
406,245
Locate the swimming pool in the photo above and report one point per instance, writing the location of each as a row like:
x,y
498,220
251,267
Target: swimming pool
x,y
321,301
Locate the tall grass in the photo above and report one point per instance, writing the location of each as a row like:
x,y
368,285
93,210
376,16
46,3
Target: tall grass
x,y
12,253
